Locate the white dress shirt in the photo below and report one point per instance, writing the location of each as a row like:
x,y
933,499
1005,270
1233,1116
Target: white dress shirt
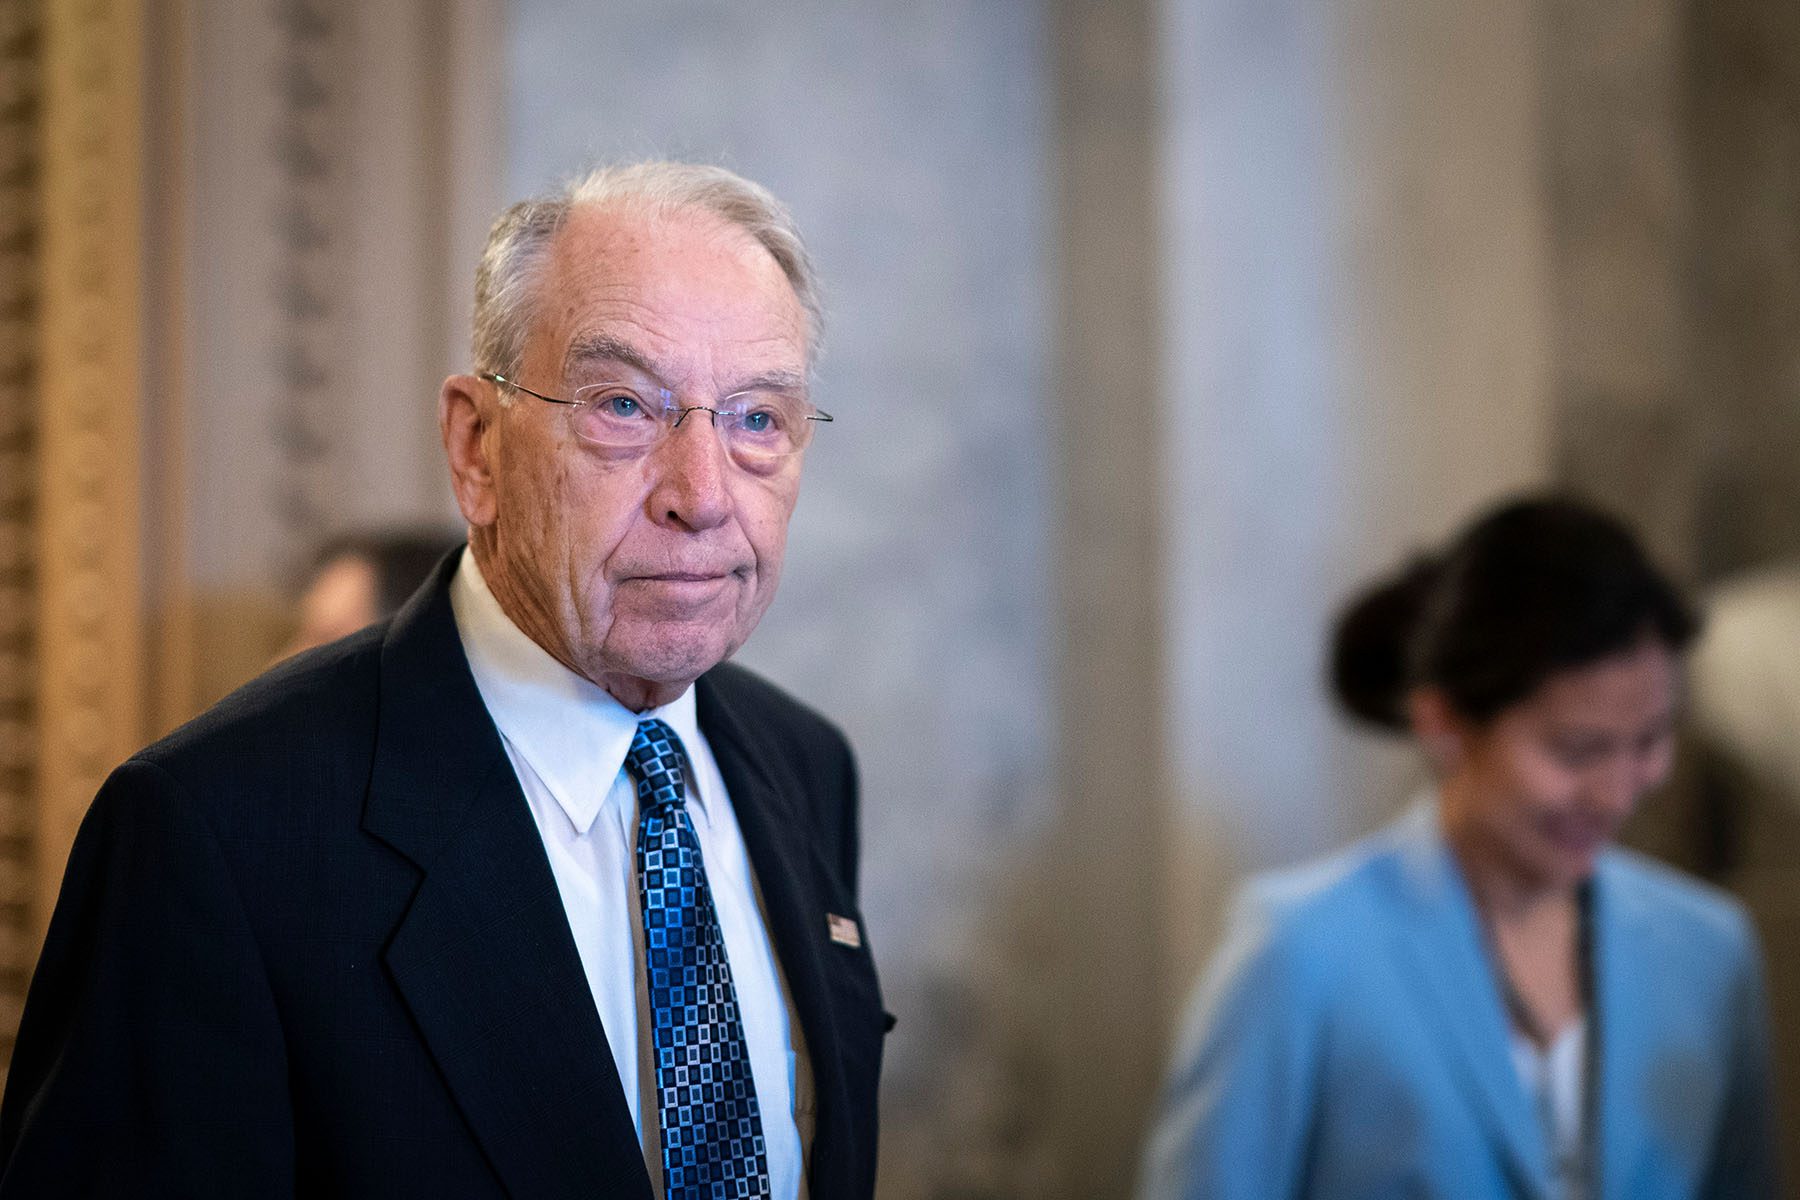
x,y
567,740
1556,1080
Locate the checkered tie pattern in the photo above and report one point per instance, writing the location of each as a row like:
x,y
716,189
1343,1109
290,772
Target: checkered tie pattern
x,y
712,1138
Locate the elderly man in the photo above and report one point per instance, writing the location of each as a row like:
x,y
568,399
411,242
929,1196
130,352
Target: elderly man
x,y
523,893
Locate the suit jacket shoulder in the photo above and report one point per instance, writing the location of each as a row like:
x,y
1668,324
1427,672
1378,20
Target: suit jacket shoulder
x,y
1317,916
807,750
1688,912
1244,1085
307,726
797,731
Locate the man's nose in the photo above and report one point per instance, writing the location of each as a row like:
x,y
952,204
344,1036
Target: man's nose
x,y
691,466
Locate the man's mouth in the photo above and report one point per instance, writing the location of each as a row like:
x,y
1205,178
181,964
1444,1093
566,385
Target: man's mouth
x,y
683,589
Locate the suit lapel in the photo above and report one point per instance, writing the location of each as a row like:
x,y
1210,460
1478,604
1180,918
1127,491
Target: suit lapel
x,y
1443,945
786,875
483,957
1623,978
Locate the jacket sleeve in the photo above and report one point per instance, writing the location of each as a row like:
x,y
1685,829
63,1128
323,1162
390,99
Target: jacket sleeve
x,y
150,1059
1745,1157
1238,1103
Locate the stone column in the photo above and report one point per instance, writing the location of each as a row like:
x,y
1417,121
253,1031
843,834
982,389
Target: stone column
x,y
1105,855
1742,143
334,168
20,209
1628,431
1741,73
91,644
1355,272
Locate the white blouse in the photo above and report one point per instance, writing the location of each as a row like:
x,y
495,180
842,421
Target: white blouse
x,y
1556,1081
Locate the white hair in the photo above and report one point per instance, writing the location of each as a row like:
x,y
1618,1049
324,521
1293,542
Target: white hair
x,y
518,245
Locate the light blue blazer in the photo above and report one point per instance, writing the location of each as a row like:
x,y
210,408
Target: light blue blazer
x,y
1349,1042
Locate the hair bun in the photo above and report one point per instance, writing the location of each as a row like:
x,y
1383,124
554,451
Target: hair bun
x,y
1371,644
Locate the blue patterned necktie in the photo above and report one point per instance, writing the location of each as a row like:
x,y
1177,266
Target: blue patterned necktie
x,y
712,1138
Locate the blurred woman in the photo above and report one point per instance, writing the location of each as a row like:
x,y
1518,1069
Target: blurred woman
x,y
1489,999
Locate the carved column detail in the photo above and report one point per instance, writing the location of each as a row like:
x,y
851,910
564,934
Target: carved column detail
x,y
309,146
91,651
19,60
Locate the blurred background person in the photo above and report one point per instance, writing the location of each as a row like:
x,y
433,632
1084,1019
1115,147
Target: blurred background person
x,y
359,578
1488,999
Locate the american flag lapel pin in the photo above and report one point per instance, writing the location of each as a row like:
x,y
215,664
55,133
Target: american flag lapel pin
x,y
843,930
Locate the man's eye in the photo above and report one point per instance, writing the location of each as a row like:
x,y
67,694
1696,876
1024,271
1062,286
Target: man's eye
x,y
760,421
621,404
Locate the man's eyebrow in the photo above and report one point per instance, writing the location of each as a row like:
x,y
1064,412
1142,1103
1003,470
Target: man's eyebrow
x,y
776,380
602,346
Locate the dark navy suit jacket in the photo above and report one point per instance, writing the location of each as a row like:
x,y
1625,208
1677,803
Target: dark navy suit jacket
x,y
310,945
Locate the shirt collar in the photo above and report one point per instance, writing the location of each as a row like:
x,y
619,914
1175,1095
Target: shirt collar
x,y
571,731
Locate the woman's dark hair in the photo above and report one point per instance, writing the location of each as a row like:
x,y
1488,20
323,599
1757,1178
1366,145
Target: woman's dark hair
x,y
1535,587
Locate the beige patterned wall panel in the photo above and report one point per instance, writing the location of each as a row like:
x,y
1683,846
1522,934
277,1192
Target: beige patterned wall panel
x,y
341,169
90,529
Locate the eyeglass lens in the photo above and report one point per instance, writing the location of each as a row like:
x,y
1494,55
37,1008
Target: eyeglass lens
x,y
758,425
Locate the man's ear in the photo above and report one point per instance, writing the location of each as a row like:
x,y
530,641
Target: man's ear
x,y
1441,730
466,407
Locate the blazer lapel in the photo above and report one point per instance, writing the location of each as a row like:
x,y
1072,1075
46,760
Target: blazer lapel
x,y
483,957
783,860
1444,946
1624,967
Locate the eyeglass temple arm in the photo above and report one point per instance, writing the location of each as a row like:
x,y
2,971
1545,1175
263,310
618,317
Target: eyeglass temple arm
x,y
503,381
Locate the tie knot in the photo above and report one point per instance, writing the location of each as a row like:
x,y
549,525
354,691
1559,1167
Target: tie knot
x,y
658,763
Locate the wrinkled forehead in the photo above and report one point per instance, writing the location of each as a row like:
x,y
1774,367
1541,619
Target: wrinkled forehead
x,y
681,294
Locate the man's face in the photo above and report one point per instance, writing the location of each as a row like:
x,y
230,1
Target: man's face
x,y
639,570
